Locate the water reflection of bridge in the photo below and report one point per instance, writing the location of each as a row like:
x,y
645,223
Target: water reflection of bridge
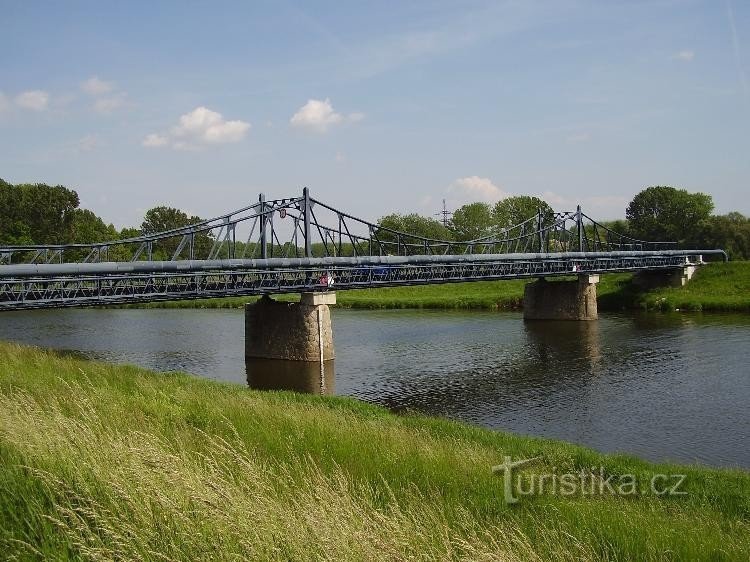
x,y
308,377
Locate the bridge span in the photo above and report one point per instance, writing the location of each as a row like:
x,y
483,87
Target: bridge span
x,y
301,245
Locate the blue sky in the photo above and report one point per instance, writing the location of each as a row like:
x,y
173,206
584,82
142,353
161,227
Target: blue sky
x,y
377,107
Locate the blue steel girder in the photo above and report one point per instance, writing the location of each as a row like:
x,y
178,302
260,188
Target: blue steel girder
x,y
55,290
283,245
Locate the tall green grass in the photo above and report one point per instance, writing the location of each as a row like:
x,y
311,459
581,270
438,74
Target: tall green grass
x,y
102,462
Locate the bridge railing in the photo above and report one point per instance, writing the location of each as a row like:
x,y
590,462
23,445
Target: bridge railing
x,y
305,227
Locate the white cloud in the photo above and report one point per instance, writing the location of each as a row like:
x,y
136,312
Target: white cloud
x,y
35,100
110,104
355,117
685,55
155,140
209,126
340,156
201,126
94,86
316,115
4,103
474,186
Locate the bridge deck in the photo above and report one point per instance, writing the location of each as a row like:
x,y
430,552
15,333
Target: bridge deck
x,y
30,286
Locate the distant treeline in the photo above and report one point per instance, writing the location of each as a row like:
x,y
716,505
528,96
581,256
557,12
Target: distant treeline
x,y
658,213
43,214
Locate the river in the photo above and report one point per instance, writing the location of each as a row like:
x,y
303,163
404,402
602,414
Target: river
x,y
662,387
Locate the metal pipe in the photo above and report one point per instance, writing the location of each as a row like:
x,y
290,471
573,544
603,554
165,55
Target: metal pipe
x,y
104,268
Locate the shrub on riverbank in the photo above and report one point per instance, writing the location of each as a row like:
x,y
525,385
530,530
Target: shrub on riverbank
x,y
114,462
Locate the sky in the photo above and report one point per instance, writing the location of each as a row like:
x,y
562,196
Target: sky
x,y
377,107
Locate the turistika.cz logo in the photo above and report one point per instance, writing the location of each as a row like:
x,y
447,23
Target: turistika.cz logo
x,y
591,482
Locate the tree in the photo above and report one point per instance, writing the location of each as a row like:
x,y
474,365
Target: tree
x,y
161,219
472,221
129,232
664,213
512,211
36,213
730,232
89,228
415,225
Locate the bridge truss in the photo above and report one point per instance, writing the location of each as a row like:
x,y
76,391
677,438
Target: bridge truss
x,y
301,244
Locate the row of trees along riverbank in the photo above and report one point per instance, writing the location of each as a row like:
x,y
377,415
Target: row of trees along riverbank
x,y
658,213
44,214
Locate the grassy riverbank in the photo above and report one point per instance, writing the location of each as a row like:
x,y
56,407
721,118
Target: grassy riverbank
x,y
715,287
115,462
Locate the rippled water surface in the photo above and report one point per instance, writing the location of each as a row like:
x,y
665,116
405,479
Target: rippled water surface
x,y
662,387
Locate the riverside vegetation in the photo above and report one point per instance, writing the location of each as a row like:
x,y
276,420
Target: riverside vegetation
x,y
103,462
715,287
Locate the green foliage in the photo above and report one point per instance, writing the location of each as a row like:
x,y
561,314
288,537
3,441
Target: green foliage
x,y
730,232
619,226
414,224
664,213
514,210
129,233
162,218
36,214
472,221
89,228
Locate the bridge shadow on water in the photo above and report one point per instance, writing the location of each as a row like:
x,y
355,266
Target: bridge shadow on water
x,y
307,377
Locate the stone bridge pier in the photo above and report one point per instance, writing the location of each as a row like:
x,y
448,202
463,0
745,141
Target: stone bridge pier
x,y
667,277
561,300
292,331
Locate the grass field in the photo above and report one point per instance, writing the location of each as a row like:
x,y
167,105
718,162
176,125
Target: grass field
x,y
101,462
715,287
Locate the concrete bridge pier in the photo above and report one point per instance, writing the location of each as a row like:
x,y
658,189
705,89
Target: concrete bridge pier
x,y
667,277
292,331
561,300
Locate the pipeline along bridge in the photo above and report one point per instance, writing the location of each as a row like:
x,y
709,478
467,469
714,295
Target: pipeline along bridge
x,y
300,244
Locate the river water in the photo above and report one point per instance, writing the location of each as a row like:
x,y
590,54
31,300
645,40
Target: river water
x,y
663,387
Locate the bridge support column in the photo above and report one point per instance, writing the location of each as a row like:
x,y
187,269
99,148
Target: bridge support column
x,y
296,331
561,300
666,277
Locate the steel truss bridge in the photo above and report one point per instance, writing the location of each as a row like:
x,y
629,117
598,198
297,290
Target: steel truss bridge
x,y
300,244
